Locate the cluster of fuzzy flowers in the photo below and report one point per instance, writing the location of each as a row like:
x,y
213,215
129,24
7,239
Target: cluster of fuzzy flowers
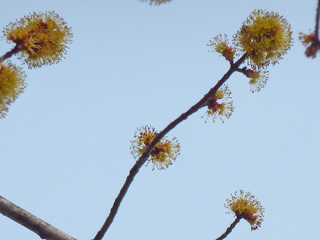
x,y
247,207
156,2
311,42
221,45
164,152
220,105
11,85
42,38
264,37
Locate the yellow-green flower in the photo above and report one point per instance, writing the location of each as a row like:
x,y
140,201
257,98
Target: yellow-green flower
x,y
247,207
265,37
157,2
258,79
11,85
164,152
42,38
221,45
220,105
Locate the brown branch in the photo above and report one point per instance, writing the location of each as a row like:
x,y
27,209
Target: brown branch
x,y
229,229
316,31
9,54
135,169
33,223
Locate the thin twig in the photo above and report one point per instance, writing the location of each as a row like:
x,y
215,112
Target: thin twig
x,y
229,229
28,220
9,54
317,21
140,162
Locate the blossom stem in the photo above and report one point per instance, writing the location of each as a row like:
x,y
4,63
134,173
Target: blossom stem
x,y
141,161
12,52
317,21
229,229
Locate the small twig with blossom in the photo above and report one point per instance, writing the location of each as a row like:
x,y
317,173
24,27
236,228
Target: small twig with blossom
x,y
40,39
148,150
256,41
311,40
244,206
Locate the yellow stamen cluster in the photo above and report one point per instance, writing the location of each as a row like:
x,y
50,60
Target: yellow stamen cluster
x,y
220,105
312,44
258,79
164,152
42,38
156,2
247,207
11,85
221,45
265,37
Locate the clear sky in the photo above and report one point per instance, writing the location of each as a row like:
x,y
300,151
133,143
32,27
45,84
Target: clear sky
x,y
65,142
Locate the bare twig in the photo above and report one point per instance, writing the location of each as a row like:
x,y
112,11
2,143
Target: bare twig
x,y
9,54
229,229
35,224
135,169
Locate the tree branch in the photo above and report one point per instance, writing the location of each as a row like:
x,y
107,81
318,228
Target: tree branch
x,y
9,54
229,229
317,21
135,169
33,223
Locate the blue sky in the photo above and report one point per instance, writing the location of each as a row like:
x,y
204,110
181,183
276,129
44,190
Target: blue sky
x,y
65,141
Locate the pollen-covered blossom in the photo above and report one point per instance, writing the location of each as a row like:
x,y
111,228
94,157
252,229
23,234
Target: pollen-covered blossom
x,y
221,45
42,38
312,44
156,2
258,79
247,207
265,37
220,105
11,85
164,152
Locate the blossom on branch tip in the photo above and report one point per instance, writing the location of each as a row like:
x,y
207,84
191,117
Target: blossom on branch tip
x,y
163,153
264,37
220,105
42,38
247,207
258,79
312,44
11,85
221,45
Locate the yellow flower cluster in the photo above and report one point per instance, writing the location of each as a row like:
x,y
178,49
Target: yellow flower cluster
x,y
264,37
247,207
11,85
221,45
164,152
258,79
220,105
42,38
